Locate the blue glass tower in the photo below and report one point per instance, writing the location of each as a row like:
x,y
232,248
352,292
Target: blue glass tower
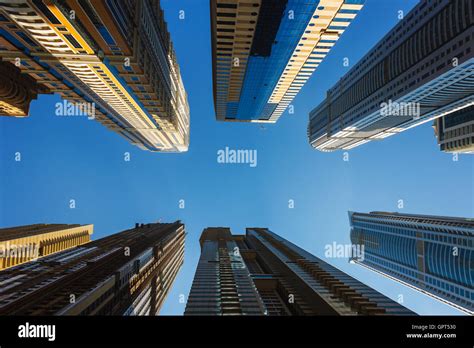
x,y
432,254
264,51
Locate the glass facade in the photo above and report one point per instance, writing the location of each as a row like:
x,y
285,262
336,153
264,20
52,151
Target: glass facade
x,y
264,51
263,72
432,254
423,62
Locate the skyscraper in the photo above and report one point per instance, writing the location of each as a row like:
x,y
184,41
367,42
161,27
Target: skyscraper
x,y
111,60
25,243
432,254
17,90
128,273
421,70
455,132
263,274
264,51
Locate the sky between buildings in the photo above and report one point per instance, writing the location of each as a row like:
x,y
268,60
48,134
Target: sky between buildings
x,y
64,158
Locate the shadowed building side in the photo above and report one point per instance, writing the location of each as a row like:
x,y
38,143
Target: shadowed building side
x,y
17,91
222,284
128,273
455,132
263,274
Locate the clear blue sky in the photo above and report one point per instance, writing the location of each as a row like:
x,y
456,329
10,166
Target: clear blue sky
x,y
67,158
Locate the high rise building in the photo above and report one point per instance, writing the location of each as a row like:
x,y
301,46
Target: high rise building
x,y
17,90
264,51
263,274
128,273
111,60
26,243
432,254
455,132
421,70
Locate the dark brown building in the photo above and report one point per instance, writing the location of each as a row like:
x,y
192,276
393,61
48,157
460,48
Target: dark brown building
x,y
263,274
17,90
455,132
128,273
